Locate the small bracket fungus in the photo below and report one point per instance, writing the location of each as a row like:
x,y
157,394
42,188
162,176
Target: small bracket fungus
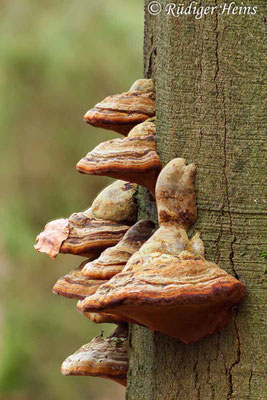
x,y
121,112
104,358
75,285
167,285
90,232
134,159
113,260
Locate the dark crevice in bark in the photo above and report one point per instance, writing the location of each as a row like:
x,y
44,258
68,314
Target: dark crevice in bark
x,y
237,360
249,380
217,241
195,368
216,52
231,254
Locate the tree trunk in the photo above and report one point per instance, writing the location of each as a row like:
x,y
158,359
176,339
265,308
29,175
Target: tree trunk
x,y
210,110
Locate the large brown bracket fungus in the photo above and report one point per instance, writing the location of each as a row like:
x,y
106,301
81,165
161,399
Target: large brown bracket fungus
x,y
121,112
113,260
92,231
104,358
134,158
167,285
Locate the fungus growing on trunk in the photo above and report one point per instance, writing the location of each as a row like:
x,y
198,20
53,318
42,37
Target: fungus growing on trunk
x,y
121,112
92,231
74,285
134,158
113,260
104,358
164,286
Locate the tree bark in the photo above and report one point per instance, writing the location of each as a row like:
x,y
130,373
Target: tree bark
x,y
210,110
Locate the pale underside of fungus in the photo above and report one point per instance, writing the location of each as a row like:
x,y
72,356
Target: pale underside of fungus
x,y
102,357
113,260
105,318
90,232
167,285
134,158
121,112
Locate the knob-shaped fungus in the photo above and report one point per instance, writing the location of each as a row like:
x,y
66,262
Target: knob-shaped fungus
x,y
95,229
104,358
117,202
113,260
121,112
164,286
74,285
134,159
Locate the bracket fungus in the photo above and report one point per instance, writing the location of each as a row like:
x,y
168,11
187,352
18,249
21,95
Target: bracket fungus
x,y
134,158
121,112
104,358
113,260
90,232
167,285
75,285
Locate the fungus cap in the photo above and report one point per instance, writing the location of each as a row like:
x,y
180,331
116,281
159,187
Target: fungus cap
x,y
102,357
183,296
121,112
132,159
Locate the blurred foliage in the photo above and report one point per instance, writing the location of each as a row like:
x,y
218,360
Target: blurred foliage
x,y
58,58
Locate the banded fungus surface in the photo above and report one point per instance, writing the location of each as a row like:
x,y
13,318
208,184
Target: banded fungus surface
x,y
134,158
113,260
102,357
121,112
75,285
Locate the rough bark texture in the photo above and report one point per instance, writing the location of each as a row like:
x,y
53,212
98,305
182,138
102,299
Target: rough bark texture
x,y
210,110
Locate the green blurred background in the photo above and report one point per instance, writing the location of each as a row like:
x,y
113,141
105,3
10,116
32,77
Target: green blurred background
x,y
57,59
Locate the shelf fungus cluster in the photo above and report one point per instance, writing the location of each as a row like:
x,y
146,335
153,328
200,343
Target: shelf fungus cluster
x,y
168,285
159,278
